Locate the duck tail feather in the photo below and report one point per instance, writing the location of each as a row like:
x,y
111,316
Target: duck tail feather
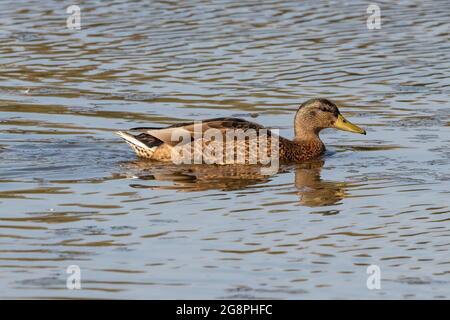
x,y
144,129
130,139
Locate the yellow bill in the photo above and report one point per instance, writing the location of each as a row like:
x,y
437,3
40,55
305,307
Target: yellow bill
x,y
345,125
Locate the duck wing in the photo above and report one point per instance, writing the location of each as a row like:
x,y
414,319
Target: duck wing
x,y
222,124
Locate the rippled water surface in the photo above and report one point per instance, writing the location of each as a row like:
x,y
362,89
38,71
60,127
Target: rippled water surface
x,y
72,193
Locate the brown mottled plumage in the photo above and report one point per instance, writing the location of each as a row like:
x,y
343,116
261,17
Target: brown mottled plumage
x,y
311,117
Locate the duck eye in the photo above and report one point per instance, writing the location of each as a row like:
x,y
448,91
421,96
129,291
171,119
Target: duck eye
x,y
312,113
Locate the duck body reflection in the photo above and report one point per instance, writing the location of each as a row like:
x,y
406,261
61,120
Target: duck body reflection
x,y
311,189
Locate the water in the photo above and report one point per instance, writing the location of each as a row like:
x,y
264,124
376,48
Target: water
x,y
72,193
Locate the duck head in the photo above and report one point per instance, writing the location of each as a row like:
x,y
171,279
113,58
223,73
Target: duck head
x,y
317,114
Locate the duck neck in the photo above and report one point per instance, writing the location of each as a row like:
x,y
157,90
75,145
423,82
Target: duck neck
x,y
307,136
309,143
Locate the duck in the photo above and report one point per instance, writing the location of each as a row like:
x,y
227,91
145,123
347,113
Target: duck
x,y
310,119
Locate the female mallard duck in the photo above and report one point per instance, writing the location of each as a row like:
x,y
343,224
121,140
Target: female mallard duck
x,y
311,117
